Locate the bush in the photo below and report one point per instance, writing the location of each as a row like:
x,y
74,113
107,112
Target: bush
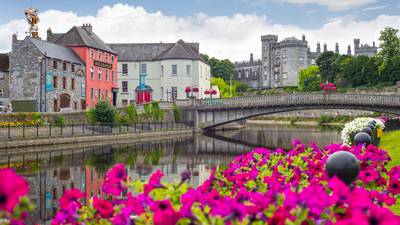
x,y
59,121
156,112
177,112
37,119
21,116
90,115
131,114
104,112
325,119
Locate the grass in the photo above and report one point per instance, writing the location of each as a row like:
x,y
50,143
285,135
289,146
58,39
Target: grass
x,y
391,143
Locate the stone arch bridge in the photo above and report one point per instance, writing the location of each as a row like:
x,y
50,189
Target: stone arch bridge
x,y
210,113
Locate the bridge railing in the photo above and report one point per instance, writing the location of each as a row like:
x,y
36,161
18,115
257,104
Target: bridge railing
x,y
301,99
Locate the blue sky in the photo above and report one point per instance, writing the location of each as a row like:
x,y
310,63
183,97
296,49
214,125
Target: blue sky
x,y
224,28
308,15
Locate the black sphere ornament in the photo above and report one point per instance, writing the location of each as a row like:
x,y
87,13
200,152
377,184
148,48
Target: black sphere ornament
x,y
372,127
373,122
343,165
362,138
367,130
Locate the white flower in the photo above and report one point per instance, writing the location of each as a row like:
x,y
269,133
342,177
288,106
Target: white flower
x,y
355,126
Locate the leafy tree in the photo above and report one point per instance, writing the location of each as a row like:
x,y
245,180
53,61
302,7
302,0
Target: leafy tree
x,y
224,89
220,68
309,79
389,71
328,66
390,43
104,112
353,71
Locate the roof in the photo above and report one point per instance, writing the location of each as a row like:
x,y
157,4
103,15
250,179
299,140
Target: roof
x,y
291,39
156,51
55,51
54,37
78,36
4,62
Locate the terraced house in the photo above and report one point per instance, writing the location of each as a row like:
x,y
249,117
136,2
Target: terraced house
x,y
160,71
45,77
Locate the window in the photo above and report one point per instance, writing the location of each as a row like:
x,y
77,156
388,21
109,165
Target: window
x,y
106,75
106,57
143,68
91,73
112,75
91,93
301,59
73,68
76,105
239,74
99,94
284,75
125,69
124,102
174,92
99,56
91,54
162,70
276,76
112,59
247,74
1,92
132,102
1,75
124,86
64,66
99,73
174,69
73,83
54,64
162,93
106,94
54,82
64,83
188,69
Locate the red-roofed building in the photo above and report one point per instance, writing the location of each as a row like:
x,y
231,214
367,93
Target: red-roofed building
x,y
100,60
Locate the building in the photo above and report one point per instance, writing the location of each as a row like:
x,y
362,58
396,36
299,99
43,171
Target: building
x,y
45,77
249,72
4,81
100,61
160,71
364,49
282,61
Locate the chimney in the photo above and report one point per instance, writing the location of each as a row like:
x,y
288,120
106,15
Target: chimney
x,y
349,50
49,34
87,27
318,47
325,47
303,37
251,58
337,48
14,41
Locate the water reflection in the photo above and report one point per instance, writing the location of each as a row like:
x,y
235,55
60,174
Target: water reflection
x,y
50,172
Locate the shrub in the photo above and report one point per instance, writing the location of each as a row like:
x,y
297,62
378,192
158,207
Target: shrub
x,y
59,121
21,116
147,111
37,119
104,112
131,114
177,112
119,119
156,112
90,115
325,119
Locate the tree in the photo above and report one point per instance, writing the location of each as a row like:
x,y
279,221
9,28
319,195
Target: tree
x,y
309,79
329,66
389,71
220,68
390,43
353,71
104,112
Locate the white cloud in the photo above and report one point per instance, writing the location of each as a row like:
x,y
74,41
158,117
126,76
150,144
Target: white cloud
x,y
333,4
233,37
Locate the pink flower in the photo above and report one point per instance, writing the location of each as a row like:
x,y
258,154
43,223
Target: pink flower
x,y
164,213
105,208
71,197
12,188
394,186
369,175
154,182
113,182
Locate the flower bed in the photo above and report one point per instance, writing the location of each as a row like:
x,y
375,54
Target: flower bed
x,y
355,126
263,186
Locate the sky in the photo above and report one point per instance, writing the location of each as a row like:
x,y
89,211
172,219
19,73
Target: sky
x,y
224,28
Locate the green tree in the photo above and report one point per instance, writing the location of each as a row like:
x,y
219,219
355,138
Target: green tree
x,y
353,71
104,112
329,66
224,89
309,79
389,71
220,68
390,43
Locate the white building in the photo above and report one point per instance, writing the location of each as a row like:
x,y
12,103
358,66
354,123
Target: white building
x,y
166,69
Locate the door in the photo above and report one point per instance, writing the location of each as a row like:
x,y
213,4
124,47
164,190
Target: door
x,y
55,105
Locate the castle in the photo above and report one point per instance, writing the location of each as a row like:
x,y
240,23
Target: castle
x,y
281,61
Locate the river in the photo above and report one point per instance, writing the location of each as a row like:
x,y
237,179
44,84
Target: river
x,y
51,172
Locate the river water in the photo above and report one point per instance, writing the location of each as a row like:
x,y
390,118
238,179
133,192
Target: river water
x,y
50,173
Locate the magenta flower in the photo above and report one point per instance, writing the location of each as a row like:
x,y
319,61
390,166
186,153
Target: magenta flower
x,y
114,180
103,207
71,197
154,182
12,188
164,213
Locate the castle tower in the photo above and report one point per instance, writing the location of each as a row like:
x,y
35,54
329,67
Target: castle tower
x,y
337,48
268,42
303,38
318,48
251,58
349,50
325,47
356,46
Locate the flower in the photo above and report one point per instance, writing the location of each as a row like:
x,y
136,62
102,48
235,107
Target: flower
x,y
113,182
103,207
71,197
12,188
164,213
154,182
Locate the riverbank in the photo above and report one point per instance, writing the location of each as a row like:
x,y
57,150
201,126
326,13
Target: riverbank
x,y
29,145
288,122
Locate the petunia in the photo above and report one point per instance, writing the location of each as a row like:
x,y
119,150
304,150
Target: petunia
x,y
103,207
164,213
12,188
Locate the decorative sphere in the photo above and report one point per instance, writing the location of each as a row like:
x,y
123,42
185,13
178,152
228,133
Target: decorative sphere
x,y
343,165
372,127
373,122
362,138
367,130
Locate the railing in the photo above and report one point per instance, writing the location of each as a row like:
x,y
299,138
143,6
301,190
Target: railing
x,y
84,129
302,99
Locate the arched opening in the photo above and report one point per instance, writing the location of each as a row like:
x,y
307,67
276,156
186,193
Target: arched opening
x,y
143,96
65,101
